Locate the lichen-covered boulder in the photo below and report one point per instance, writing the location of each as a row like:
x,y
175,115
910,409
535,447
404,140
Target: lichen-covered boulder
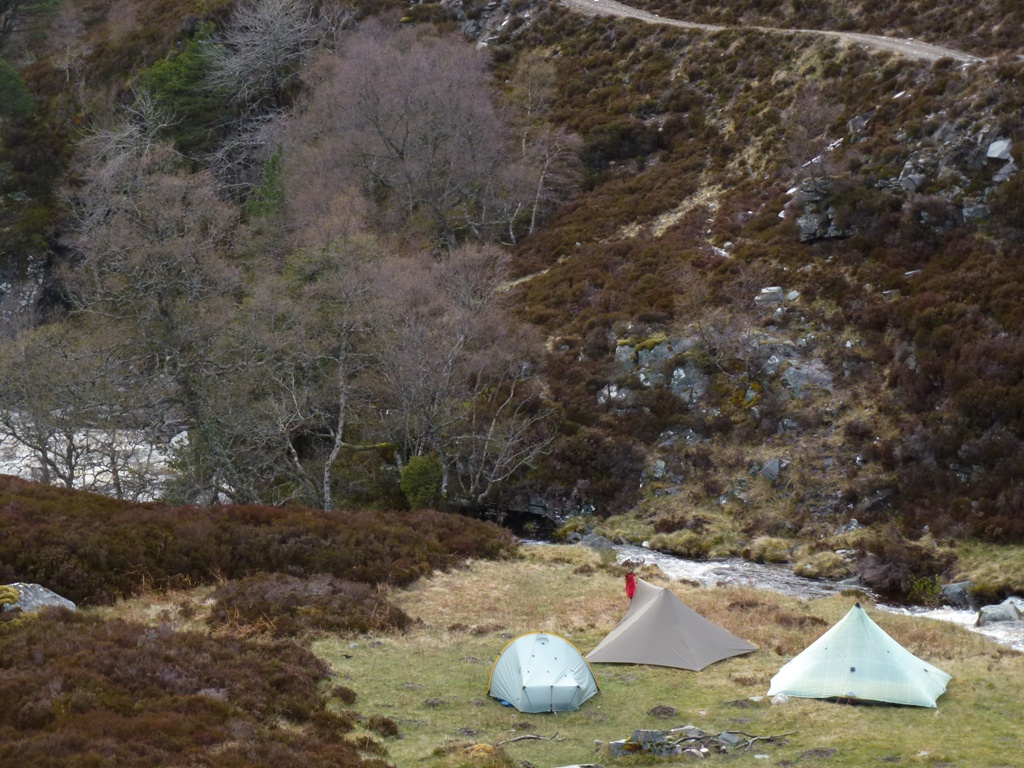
x,y
33,597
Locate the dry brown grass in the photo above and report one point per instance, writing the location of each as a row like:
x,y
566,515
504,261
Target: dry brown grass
x,y
183,610
569,590
490,596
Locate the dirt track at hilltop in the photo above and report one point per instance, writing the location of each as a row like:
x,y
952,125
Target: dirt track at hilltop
x,y
908,48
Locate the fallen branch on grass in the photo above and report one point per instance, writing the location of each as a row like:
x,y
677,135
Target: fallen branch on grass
x,y
533,737
751,739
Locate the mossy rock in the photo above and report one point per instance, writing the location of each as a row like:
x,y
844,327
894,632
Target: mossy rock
x,y
9,595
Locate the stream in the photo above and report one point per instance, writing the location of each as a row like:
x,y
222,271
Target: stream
x,y
780,578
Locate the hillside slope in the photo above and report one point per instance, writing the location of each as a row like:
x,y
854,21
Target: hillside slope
x,y
874,190
776,273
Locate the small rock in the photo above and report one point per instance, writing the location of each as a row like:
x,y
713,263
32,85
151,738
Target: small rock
x,y
771,469
999,150
689,731
728,739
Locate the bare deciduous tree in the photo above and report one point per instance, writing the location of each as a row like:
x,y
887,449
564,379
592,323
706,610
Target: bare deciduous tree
x,y
460,380
257,60
808,122
408,118
552,156
262,48
150,237
63,419
306,332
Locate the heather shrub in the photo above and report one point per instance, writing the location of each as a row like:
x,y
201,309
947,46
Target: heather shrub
x,y
76,691
673,523
93,549
383,726
289,606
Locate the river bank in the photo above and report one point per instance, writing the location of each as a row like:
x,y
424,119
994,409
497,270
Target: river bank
x,y
781,579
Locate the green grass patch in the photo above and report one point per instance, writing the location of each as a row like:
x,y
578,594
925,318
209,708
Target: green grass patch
x,y
432,681
995,569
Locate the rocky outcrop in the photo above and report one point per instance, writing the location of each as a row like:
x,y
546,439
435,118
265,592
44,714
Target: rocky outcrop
x,y
34,597
814,213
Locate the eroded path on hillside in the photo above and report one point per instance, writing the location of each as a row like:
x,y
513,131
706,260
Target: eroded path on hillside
x,y
908,48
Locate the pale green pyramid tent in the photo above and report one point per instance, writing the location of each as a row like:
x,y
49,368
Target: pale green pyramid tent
x,y
659,628
857,660
541,672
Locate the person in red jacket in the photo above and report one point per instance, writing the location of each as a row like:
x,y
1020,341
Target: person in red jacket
x,y
630,584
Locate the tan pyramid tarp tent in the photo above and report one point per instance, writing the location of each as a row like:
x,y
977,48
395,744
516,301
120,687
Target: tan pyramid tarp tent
x,y
857,660
660,629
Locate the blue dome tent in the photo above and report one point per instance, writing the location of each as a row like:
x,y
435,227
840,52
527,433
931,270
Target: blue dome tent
x,y
541,672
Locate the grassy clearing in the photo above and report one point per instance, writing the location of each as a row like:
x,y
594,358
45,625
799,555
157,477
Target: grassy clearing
x,y
995,569
432,681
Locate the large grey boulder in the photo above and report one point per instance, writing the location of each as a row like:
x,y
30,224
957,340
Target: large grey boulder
x,y
1004,173
35,597
772,295
806,375
958,595
596,541
688,383
654,356
1005,611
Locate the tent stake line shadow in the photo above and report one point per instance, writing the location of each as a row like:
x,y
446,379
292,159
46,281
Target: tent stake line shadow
x,y
856,660
661,629
541,672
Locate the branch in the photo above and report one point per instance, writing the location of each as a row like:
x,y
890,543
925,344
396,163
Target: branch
x,y
753,739
532,737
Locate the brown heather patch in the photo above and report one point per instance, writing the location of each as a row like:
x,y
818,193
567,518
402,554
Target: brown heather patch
x,y
80,690
49,535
